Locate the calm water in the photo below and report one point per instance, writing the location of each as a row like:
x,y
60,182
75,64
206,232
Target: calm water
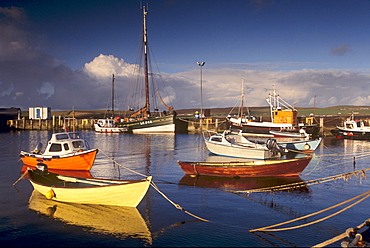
x,y
27,219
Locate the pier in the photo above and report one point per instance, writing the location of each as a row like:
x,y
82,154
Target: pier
x,y
216,124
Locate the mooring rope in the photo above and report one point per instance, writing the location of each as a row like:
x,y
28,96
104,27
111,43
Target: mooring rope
x,y
176,205
267,228
360,157
114,161
342,236
345,176
157,189
293,185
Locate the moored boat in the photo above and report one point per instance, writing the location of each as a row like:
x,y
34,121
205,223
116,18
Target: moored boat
x,y
128,193
108,125
236,145
65,151
305,146
352,129
284,118
143,118
291,134
254,168
292,144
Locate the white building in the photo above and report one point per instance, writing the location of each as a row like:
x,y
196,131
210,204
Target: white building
x,y
43,113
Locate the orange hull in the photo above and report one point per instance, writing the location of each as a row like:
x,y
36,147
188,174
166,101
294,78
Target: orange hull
x,y
80,162
70,173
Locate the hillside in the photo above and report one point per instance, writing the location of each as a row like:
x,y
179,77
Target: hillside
x,y
223,112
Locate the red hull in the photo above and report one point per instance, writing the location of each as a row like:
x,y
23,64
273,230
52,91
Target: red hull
x,y
260,168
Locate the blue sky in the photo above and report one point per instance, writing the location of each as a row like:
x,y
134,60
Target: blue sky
x,y
306,48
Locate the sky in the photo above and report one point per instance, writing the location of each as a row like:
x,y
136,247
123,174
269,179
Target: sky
x,y
62,54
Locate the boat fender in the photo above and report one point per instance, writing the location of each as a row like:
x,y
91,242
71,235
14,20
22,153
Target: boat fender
x,y
50,194
306,146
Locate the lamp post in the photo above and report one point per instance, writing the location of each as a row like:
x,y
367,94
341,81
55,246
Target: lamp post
x,y
201,64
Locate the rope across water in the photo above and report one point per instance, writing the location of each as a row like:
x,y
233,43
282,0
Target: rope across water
x,y
270,228
157,189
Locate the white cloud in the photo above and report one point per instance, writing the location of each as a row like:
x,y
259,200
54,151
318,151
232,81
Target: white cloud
x,y
104,66
30,78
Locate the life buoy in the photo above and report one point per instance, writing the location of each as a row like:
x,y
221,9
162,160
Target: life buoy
x,y
80,150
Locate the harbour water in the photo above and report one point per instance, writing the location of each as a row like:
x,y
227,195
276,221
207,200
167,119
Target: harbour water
x,y
29,220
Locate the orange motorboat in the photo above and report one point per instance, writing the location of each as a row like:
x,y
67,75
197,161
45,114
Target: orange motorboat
x,y
65,151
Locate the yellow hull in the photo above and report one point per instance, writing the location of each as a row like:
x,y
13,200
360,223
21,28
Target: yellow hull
x,y
128,194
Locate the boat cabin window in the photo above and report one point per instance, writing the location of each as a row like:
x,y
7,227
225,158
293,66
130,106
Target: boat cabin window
x,y
74,135
55,148
78,144
66,146
61,136
217,139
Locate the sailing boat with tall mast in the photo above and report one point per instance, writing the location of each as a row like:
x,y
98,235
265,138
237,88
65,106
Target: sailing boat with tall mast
x,y
108,125
144,120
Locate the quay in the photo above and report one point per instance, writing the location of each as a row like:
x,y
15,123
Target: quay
x,y
216,124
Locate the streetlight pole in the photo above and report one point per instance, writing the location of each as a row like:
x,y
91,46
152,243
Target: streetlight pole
x,y
201,64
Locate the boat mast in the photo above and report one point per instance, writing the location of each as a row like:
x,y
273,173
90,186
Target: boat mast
x,y
242,105
112,95
145,40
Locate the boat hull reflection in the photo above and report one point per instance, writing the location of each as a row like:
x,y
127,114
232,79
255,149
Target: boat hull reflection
x,y
122,222
243,183
70,173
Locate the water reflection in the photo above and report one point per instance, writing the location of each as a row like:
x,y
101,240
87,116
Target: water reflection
x,y
71,173
356,146
121,222
243,183
135,151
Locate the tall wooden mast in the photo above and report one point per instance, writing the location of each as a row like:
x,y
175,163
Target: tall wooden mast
x,y
145,40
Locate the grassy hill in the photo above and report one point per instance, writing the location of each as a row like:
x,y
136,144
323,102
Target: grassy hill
x,y
344,111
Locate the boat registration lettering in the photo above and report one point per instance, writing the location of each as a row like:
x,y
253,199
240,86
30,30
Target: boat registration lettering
x,y
145,122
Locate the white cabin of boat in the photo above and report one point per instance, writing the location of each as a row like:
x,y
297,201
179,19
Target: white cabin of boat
x,y
106,123
353,124
65,143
